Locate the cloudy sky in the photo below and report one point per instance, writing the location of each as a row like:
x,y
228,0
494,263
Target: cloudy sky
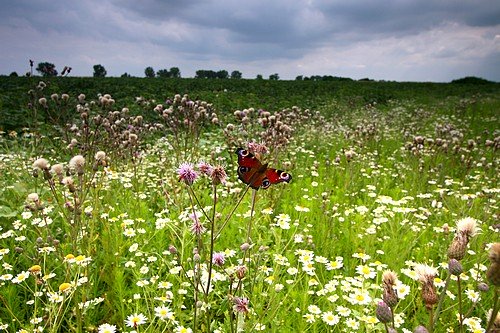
x,y
404,40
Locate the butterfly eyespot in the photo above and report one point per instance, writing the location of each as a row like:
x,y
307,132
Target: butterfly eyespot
x,y
265,183
243,169
243,152
285,176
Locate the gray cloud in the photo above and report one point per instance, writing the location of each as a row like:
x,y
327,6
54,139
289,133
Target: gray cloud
x,y
352,38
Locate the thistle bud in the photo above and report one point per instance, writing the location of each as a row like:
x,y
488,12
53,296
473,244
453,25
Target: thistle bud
x,y
455,267
457,248
483,287
420,329
383,312
172,249
493,273
429,295
241,271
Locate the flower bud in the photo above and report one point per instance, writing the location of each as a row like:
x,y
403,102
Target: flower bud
x,y
383,312
455,267
420,329
481,286
172,249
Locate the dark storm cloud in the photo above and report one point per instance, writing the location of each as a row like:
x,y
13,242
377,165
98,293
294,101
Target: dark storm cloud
x,y
285,35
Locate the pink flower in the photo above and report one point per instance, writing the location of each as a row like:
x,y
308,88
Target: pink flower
x,y
205,168
240,304
219,258
186,173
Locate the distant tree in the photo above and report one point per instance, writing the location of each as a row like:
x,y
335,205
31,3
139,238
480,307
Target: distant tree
x,y
163,73
126,75
46,69
236,75
206,74
274,76
472,80
99,71
222,74
175,72
299,78
13,74
149,72
259,77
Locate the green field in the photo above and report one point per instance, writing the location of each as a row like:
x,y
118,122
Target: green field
x,y
103,228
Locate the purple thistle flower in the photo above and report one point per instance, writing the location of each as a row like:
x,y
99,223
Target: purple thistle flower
x,y
240,304
186,173
205,168
219,258
218,175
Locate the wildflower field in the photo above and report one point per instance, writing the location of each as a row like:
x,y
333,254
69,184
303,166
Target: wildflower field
x,y
125,207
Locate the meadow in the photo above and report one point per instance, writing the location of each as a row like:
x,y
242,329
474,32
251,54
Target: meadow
x,y
121,209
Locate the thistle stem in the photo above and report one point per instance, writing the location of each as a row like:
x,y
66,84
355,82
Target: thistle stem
x,y
494,311
460,313
231,214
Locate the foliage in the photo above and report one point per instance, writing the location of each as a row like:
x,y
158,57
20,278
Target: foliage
x,y
139,222
274,76
47,69
236,75
472,80
149,72
174,72
99,71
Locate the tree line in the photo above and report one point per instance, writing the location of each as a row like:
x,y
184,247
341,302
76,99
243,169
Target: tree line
x,y
47,69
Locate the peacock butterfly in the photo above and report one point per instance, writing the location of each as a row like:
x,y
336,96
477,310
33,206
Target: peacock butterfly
x,y
257,175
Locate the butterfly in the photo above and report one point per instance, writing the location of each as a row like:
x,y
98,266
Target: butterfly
x,y
257,175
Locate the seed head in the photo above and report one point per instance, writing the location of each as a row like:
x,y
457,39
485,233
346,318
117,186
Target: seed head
x,y
100,156
425,273
41,164
57,169
77,163
389,278
33,197
467,226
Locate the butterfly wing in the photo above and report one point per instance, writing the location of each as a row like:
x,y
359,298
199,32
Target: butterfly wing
x,y
250,169
274,176
257,175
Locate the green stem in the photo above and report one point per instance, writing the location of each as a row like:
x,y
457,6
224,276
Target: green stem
x,y
254,196
494,311
440,303
212,241
460,313
232,212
